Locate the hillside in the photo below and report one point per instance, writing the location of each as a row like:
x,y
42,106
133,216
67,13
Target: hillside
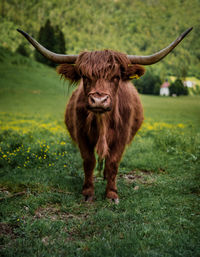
x,y
30,87
134,27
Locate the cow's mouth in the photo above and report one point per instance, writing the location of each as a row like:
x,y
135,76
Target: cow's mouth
x,y
98,109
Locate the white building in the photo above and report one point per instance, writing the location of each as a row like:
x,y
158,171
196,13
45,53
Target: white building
x,y
188,83
164,89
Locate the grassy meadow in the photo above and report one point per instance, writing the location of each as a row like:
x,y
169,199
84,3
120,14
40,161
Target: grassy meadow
x,y
41,207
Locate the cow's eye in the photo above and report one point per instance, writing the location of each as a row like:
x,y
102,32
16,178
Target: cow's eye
x,y
85,78
116,78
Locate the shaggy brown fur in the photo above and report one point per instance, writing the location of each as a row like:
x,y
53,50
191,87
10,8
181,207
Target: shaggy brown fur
x,y
104,73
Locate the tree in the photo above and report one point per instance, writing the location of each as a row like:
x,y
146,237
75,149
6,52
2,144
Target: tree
x,y
177,88
60,41
148,84
46,38
53,39
22,50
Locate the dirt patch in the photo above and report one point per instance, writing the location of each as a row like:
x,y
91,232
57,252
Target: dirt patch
x,y
54,213
139,176
5,194
7,230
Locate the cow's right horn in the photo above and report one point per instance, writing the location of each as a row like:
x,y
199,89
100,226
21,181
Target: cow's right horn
x,y
57,58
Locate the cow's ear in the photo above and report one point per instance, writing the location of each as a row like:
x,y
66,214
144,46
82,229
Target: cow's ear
x,y
134,71
69,72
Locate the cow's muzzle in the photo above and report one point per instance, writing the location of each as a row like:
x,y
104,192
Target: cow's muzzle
x,y
99,102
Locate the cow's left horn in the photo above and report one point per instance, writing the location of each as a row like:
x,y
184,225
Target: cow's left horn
x,y
57,58
151,59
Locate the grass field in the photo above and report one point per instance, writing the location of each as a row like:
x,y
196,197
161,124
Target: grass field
x,y
41,207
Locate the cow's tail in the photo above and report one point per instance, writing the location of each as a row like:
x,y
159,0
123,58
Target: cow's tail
x,y
100,166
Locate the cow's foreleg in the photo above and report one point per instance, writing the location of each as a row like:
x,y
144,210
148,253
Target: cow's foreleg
x,y
111,169
88,186
89,161
110,173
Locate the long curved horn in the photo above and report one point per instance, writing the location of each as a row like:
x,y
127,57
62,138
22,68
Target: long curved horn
x,y
57,58
151,59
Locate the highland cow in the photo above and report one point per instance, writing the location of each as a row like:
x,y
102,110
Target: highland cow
x,y
104,112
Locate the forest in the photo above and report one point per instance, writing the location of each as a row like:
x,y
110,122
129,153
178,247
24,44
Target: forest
x,y
134,27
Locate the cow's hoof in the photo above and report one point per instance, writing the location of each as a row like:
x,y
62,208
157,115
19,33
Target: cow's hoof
x,y
115,200
88,191
88,198
112,194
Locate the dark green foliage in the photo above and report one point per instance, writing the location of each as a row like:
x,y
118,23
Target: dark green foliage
x,y
53,39
22,50
177,88
59,41
149,83
132,27
47,39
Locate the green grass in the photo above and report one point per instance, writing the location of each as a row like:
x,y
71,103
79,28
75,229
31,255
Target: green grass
x,y
172,109
41,207
31,88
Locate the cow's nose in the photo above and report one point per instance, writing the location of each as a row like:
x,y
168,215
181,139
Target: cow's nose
x,y
101,102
